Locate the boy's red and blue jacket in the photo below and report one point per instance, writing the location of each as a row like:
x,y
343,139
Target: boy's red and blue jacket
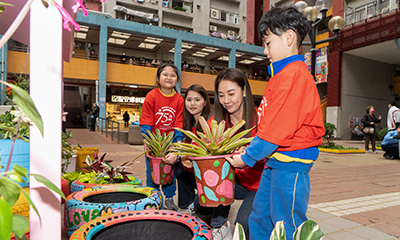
x,y
290,126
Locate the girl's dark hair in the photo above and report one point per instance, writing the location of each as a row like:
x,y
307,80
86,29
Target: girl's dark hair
x,y
237,76
161,68
188,119
280,19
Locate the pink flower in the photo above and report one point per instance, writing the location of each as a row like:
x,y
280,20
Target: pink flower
x,y
67,18
79,4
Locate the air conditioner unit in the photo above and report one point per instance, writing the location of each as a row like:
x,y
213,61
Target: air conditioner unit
x,y
215,13
213,28
232,33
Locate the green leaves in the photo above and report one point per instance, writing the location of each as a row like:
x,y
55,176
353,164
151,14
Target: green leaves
x,y
308,230
19,225
5,220
48,184
159,144
279,232
214,140
25,103
4,4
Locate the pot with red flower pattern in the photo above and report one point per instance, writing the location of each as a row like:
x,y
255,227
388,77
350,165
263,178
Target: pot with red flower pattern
x,y
215,178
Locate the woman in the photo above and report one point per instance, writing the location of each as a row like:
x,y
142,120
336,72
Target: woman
x,y
370,120
197,104
233,103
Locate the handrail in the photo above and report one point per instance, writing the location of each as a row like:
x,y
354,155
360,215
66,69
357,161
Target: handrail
x,y
105,123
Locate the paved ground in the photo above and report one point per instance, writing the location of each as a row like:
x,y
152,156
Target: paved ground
x,y
353,196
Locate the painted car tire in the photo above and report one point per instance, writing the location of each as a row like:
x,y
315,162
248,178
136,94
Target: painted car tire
x,y
77,211
78,186
199,229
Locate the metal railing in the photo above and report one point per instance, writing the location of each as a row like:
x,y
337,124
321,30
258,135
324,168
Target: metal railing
x,y
107,125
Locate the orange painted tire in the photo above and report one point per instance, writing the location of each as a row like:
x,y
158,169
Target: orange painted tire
x,y
164,224
91,203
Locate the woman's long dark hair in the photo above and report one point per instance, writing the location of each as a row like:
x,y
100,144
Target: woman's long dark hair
x,y
237,76
188,119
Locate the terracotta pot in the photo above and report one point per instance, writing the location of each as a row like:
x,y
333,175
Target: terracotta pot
x,y
215,179
145,224
161,173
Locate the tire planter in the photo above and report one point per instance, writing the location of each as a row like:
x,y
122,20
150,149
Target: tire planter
x,y
20,156
64,188
91,203
161,173
78,186
215,179
144,225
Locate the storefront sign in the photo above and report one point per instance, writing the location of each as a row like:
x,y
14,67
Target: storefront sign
x,y
126,99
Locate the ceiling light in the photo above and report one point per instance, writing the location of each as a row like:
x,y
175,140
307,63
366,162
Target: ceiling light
x,y
116,41
172,50
84,28
133,86
187,45
80,35
247,61
147,45
209,49
239,54
223,58
202,53
120,35
198,55
153,40
257,58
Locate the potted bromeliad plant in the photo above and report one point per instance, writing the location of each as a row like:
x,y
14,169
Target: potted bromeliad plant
x,y
13,126
101,172
159,146
215,177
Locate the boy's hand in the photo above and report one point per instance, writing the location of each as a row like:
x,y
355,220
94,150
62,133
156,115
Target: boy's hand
x,y
236,161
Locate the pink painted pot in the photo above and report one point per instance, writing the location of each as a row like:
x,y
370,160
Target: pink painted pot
x,y
215,179
161,173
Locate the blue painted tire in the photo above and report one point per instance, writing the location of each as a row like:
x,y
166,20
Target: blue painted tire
x,y
164,224
78,186
91,203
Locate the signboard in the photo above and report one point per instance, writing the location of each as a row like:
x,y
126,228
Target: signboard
x,y
126,99
321,66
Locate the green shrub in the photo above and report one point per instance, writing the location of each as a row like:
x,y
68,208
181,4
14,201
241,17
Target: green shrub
x,y
329,134
381,134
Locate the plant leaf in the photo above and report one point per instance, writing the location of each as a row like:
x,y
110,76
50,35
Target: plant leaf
x,y
199,142
31,203
9,190
279,232
231,131
239,232
229,148
5,220
206,128
308,230
19,225
48,184
20,170
26,104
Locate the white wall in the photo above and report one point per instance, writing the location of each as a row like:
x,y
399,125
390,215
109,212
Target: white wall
x,y
365,82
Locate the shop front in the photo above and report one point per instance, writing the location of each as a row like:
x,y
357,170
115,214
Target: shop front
x,y
118,105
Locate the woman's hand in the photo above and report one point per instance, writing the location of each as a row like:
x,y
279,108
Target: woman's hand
x,y
170,158
186,162
380,117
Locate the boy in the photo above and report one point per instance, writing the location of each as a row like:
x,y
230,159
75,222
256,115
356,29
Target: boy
x,y
290,127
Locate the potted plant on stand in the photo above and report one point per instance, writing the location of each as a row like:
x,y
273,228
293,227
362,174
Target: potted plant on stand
x,y
10,190
215,177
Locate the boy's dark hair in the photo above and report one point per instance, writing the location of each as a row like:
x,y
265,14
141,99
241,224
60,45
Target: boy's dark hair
x,y
393,103
280,19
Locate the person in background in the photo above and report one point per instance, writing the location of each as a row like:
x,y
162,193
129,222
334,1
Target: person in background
x,y
290,127
95,115
197,103
93,55
390,143
123,58
126,118
155,62
369,121
393,115
185,66
163,109
64,119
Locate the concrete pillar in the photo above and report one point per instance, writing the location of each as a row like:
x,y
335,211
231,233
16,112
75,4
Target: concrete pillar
x,y
3,71
232,58
102,71
178,60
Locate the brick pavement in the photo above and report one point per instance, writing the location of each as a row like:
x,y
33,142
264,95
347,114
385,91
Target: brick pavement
x,y
334,179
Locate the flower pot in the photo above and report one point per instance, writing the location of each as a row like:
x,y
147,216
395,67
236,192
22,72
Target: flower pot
x,y
161,173
144,225
91,203
78,186
215,179
20,155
